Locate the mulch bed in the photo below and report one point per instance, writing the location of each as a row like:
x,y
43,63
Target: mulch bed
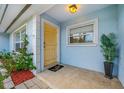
x,y
19,77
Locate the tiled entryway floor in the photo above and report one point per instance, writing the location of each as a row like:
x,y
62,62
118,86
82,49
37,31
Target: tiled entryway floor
x,y
33,83
71,77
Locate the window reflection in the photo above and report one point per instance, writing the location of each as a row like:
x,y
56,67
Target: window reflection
x,y
86,37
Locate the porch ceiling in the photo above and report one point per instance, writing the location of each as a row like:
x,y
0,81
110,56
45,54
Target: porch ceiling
x,y
61,13
11,12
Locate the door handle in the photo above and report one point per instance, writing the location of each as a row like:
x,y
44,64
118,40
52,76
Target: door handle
x,y
44,45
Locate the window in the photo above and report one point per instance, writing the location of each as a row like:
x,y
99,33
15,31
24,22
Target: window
x,y
19,36
83,34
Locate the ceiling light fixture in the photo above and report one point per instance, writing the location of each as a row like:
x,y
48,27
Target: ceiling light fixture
x,y
73,8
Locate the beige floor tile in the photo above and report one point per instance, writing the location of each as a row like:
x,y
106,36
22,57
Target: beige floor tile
x,y
29,83
34,87
8,85
21,86
77,78
39,83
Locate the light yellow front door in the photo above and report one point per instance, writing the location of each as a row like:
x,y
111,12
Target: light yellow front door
x,y
50,44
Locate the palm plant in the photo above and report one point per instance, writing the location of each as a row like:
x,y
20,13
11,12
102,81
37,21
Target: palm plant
x,y
108,45
109,49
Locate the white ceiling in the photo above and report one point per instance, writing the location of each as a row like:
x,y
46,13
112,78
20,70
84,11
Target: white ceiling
x,y
60,12
2,6
11,12
14,9
35,9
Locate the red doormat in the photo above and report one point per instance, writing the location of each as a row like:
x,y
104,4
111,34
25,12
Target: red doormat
x,y
19,77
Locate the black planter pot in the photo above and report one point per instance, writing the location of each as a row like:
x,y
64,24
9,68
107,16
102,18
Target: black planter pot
x,y
108,67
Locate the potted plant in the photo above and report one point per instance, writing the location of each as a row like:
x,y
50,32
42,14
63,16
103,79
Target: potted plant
x,y
109,49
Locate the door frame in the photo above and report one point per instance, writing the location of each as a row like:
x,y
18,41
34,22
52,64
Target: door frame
x,y
42,41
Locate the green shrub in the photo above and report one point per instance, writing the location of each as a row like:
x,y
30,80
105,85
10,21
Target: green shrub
x,y
1,54
24,59
21,60
1,81
8,62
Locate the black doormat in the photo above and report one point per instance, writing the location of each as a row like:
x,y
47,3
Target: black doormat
x,y
56,68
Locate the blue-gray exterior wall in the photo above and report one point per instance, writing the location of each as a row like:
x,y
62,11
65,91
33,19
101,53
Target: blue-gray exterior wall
x,y
121,43
110,19
4,41
89,57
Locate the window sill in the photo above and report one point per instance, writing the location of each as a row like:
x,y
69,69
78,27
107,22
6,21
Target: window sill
x,y
81,45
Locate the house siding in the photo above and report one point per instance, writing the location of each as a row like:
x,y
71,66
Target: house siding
x,y
89,57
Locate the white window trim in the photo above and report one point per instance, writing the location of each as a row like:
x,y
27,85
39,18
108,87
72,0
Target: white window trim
x,y
18,30
93,21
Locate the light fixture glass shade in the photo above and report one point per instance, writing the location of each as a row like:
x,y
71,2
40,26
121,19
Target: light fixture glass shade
x,y
73,8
